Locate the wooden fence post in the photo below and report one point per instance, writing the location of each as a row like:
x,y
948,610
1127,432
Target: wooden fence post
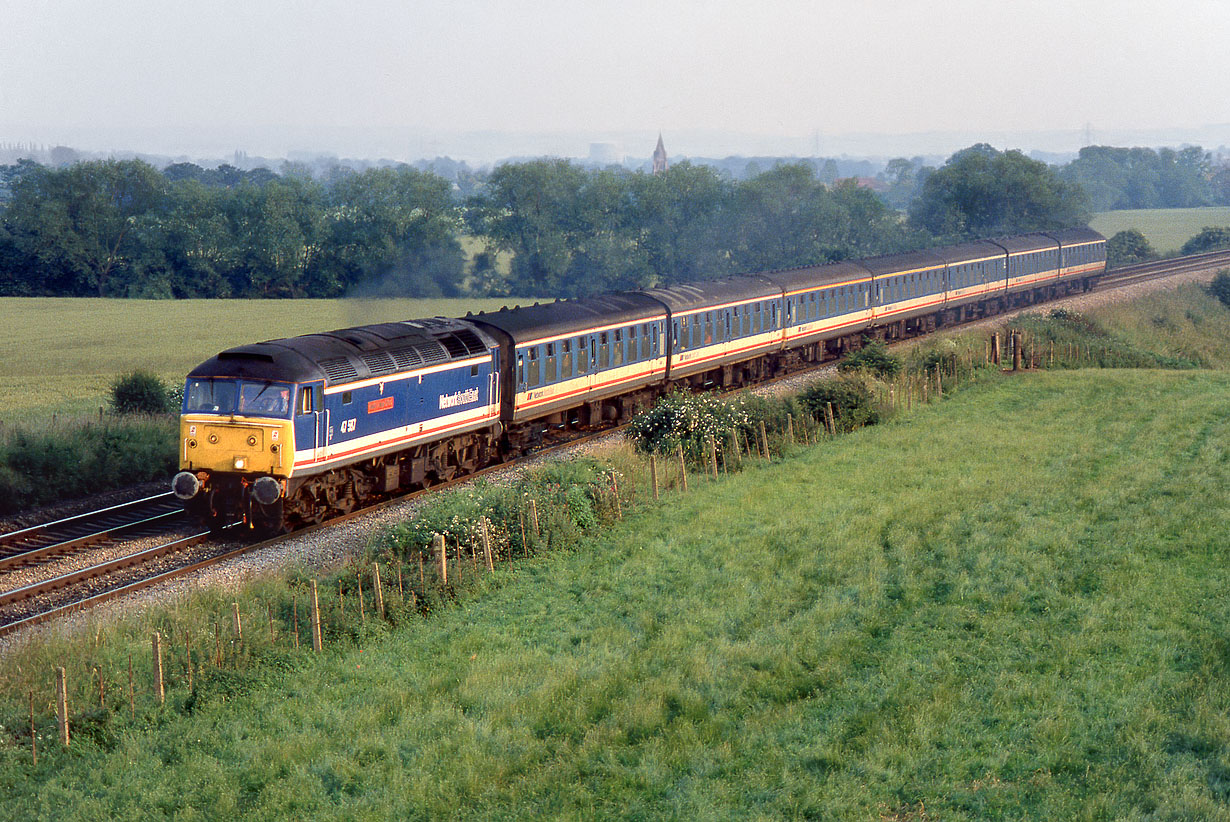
x,y
830,421
653,475
316,642
712,456
188,653
534,518
62,705
294,617
790,428
683,468
734,435
764,442
379,589
33,739
619,508
358,575
482,524
237,624
159,690
437,547
132,698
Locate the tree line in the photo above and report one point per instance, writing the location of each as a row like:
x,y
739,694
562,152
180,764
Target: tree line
x,y
122,228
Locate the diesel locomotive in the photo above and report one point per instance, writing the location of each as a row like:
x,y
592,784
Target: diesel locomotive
x,y
285,433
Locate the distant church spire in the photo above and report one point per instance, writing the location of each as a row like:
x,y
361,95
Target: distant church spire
x,y
659,157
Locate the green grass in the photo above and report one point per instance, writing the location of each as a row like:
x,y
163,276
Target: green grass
x,y
1011,604
1166,229
59,356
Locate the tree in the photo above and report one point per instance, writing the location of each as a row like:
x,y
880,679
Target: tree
x,y
1128,247
983,192
81,219
530,209
396,224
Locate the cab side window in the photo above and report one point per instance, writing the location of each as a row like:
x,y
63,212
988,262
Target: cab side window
x,y
307,403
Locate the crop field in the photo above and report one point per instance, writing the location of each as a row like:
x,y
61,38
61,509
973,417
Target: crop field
x,y
1166,229
1011,604
58,356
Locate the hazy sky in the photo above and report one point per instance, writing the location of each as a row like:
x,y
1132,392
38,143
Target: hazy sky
x,y
753,66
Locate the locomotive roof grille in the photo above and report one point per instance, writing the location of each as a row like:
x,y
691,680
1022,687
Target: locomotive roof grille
x,y
406,358
456,348
471,341
379,362
432,354
339,369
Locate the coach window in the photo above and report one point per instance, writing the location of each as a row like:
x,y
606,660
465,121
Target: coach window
x,y
520,369
633,343
604,351
565,359
549,375
617,354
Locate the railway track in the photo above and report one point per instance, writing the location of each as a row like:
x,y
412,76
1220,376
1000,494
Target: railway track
x,y
1158,269
64,535
130,520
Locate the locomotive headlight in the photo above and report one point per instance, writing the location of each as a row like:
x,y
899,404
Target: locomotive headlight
x,y
240,462
192,443
252,441
274,448
213,439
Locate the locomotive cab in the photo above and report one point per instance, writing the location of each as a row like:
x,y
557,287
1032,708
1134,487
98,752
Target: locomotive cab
x,y
237,445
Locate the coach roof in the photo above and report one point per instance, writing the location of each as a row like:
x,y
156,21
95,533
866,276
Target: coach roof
x,y
563,317
708,293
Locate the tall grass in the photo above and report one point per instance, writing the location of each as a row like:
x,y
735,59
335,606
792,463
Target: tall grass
x,y
71,459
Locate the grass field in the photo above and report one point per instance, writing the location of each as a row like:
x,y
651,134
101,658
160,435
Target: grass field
x,y
60,355
1008,605
1166,229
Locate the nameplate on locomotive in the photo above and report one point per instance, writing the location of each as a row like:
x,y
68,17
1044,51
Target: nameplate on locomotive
x,y
459,398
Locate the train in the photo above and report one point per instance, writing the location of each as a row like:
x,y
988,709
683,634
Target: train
x,y
289,432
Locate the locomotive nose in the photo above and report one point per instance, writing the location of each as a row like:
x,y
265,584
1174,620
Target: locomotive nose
x,y
185,485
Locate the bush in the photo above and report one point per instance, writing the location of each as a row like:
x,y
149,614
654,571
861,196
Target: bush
x,y
874,358
686,419
1220,287
140,392
1128,247
851,397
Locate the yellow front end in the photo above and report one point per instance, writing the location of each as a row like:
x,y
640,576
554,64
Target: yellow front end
x,y
236,445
